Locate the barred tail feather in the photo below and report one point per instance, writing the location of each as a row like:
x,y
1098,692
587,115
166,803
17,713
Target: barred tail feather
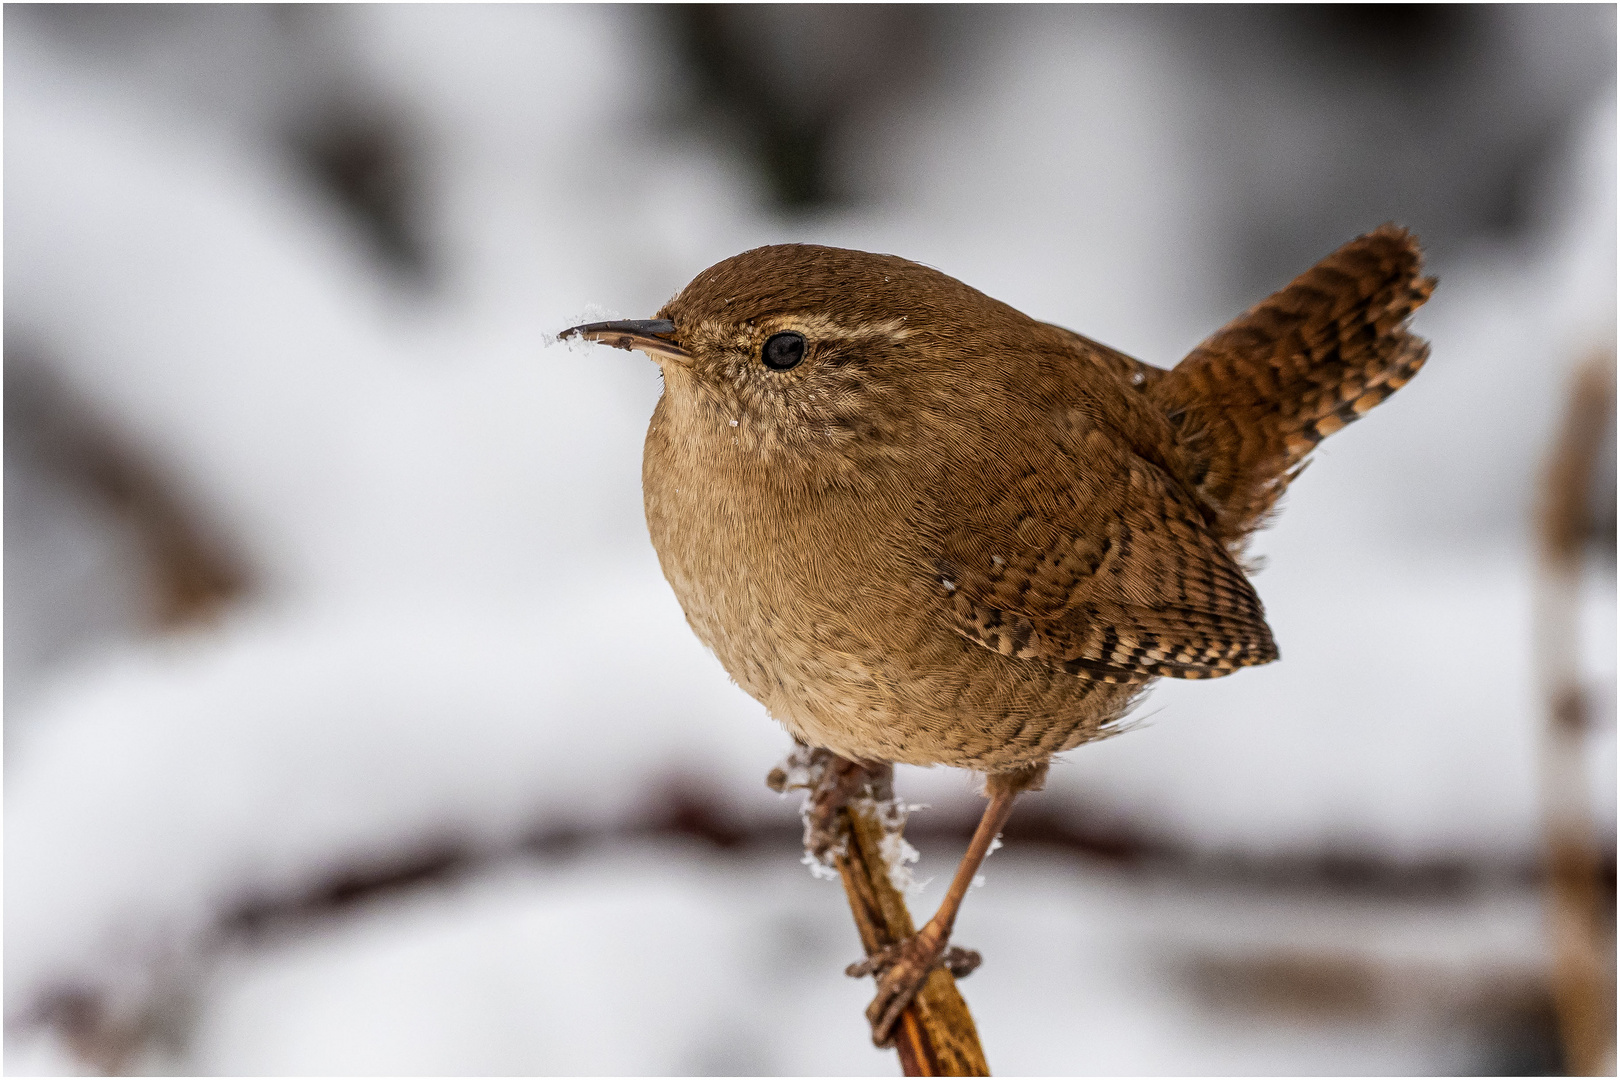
x,y
1254,399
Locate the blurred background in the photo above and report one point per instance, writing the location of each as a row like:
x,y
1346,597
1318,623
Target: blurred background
x,y
351,728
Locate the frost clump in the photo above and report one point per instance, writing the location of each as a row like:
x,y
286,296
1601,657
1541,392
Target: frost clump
x,y
898,853
824,840
820,870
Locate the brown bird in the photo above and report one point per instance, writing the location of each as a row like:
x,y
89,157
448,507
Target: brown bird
x,y
920,526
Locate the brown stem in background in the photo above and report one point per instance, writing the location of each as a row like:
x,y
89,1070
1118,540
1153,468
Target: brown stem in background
x,y
1583,988
192,572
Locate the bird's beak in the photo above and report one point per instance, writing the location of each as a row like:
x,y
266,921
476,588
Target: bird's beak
x,y
651,336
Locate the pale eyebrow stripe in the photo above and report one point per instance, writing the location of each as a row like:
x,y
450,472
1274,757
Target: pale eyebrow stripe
x,y
817,328
827,329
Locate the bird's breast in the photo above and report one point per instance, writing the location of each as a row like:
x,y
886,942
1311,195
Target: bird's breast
x,y
801,593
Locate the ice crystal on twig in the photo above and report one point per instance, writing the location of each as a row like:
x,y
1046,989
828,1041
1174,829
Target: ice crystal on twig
x,y
891,814
829,783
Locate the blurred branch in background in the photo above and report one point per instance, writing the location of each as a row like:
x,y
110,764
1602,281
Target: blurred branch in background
x,y
782,83
1406,106
1581,918
65,464
1503,1008
1400,95
363,161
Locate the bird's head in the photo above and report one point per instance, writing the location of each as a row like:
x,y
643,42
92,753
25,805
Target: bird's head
x,y
806,351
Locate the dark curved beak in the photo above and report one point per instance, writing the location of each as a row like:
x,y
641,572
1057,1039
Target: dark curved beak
x,y
651,336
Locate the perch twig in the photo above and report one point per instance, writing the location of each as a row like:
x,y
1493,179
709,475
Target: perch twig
x,y
936,1035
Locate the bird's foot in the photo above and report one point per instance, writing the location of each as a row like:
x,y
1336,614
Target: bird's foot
x,y
901,970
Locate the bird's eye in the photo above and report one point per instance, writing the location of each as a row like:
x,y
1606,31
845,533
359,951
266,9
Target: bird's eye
x,y
783,351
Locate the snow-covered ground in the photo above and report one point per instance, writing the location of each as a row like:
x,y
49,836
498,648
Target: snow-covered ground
x,y
459,632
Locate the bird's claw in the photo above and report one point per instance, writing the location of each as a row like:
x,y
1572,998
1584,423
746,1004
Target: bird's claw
x,y
901,970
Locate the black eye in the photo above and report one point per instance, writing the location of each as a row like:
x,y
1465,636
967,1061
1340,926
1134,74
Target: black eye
x,y
783,351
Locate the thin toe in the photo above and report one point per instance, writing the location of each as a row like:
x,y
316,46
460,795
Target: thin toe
x,y
962,962
874,964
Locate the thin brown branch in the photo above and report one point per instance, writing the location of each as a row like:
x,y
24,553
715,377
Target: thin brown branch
x,y
850,819
936,1035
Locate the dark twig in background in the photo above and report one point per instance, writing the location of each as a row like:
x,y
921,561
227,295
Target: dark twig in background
x,y
1507,1009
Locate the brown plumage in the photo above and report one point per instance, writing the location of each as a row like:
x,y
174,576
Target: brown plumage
x,y
1251,402
920,526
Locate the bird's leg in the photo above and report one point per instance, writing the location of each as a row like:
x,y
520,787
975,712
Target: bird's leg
x,y
904,966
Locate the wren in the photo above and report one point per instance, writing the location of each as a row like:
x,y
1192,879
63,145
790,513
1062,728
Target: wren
x,y
920,526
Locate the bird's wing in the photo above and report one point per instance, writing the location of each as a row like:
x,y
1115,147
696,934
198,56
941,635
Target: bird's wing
x,y
1089,557
1133,372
